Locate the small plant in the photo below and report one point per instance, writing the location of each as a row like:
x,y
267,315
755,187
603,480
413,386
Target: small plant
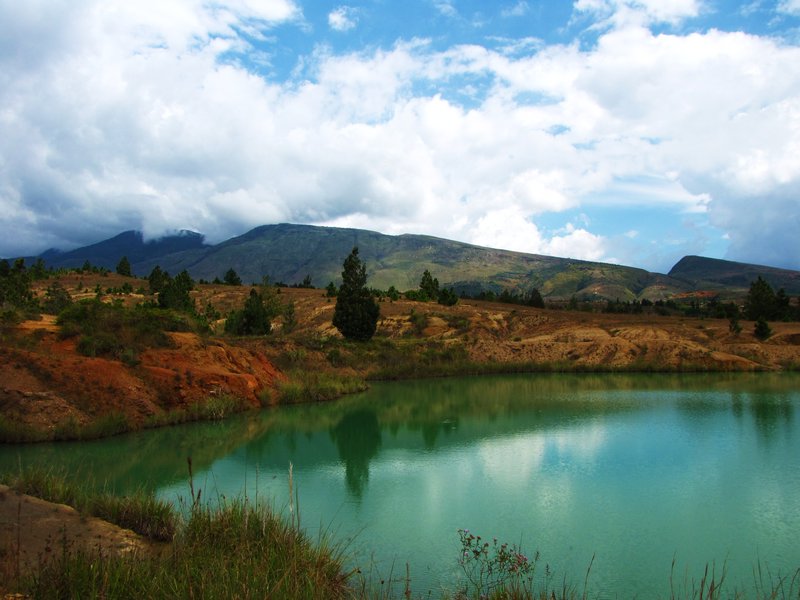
x,y
492,567
418,320
762,329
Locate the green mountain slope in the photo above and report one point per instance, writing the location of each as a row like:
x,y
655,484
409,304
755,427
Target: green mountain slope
x,y
712,273
289,253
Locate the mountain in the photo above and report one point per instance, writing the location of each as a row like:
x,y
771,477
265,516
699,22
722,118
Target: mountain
x,y
713,273
289,253
128,243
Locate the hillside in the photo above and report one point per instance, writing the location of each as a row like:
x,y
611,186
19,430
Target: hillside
x,y
50,386
710,273
289,253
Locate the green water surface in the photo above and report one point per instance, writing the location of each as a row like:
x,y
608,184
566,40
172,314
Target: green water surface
x,y
639,471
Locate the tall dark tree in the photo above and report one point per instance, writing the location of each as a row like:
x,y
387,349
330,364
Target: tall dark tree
x,y
124,267
232,277
15,284
429,286
760,301
535,299
356,313
175,293
253,319
157,279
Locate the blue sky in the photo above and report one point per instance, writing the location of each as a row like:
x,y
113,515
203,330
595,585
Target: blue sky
x,y
630,131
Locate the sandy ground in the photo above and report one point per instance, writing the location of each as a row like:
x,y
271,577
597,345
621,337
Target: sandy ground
x,y
33,531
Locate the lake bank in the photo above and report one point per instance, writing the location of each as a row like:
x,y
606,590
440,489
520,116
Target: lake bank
x,y
51,391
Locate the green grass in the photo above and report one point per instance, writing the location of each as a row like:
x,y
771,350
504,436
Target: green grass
x,y
233,550
212,408
304,385
139,511
240,549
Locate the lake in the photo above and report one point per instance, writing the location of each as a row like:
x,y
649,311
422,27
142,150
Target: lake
x,y
636,471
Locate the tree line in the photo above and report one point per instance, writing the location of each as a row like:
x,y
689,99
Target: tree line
x,y
357,311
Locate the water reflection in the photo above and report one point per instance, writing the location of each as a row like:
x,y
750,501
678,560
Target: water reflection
x,y
770,412
699,466
358,437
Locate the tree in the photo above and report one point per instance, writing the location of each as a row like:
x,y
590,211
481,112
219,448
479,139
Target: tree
x,y
15,284
157,279
124,267
535,299
232,277
447,297
253,319
56,299
429,286
175,293
289,317
760,301
356,313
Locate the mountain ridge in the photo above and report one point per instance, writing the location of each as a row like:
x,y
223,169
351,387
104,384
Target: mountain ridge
x,y
289,252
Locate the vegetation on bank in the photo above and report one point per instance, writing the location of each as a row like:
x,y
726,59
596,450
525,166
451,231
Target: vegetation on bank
x,y
235,548
213,408
318,368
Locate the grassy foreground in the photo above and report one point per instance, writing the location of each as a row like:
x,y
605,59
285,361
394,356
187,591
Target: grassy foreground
x,y
239,549
236,549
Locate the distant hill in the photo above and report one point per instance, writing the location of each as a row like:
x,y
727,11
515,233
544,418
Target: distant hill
x,y
288,253
128,243
713,273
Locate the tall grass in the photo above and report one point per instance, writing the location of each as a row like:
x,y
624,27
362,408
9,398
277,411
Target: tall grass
x,y
138,511
316,386
239,549
235,549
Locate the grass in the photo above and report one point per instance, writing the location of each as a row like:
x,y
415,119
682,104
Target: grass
x,y
139,511
213,408
304,385
242,549
232,550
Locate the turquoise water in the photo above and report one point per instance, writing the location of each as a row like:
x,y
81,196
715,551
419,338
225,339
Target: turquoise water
x,y
636,471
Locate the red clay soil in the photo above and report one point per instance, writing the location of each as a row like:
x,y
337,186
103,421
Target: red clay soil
x,y
44,381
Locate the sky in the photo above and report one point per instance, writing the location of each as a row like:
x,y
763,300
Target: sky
x,y
625,131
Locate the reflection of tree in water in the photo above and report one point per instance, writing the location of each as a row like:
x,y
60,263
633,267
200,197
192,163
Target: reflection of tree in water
x,y
358,438
768,411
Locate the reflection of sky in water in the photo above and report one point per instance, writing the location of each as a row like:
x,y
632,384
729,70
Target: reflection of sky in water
x,y
650,469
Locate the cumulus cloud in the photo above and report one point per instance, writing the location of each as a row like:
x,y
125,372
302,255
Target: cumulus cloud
x,y
342,18
148,115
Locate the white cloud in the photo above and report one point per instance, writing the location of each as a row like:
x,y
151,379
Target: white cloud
x,y
342,18
519,9
446,7
791,7
626,12
135,115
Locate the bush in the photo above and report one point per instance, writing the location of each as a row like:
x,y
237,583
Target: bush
x,y
256,316
762,329
114,331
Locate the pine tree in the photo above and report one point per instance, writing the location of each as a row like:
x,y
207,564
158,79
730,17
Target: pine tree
x,y
124,267
356,313
429,286
232,277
